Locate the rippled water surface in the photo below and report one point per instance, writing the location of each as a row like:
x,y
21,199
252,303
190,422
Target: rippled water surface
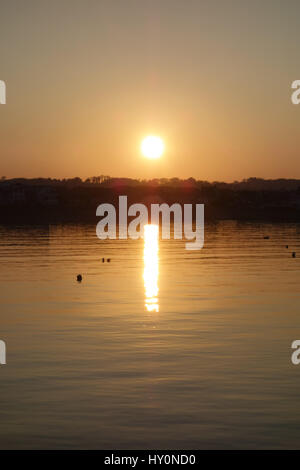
x,y
162,348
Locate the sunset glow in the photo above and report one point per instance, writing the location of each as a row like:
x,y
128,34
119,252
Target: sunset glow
x,y
152,147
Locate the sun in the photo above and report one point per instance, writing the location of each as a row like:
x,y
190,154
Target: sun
x,y
152,147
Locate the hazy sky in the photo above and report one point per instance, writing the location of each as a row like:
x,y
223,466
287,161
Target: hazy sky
x,y
88,79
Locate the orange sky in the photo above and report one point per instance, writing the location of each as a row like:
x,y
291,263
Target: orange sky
x,y
87,80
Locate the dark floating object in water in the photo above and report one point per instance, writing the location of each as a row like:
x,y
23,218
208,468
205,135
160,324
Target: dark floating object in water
x,y
79,277
108,260
103,259
294,254
286,246
266,237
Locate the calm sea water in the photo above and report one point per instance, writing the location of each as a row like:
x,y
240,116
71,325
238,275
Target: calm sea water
x,y
170,349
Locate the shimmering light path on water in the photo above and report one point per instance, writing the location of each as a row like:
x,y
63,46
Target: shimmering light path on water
x,y
205,365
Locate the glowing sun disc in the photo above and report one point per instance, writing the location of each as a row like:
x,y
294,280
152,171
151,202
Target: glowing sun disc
x,y
152,147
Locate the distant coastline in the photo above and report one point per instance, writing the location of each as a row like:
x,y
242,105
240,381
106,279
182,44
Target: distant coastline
x,y
50,201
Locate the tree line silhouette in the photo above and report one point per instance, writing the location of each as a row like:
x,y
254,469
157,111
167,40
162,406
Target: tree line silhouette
x,y
50,200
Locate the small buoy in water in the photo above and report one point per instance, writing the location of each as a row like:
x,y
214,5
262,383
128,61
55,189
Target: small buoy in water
x,y
108,260
286,246
103,260
266,237
79,277
294,254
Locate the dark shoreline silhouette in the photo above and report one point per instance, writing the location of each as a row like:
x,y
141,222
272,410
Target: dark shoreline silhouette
x,y
49,201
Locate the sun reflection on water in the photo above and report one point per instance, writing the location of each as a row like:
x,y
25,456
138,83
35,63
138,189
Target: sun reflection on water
x,y
151,267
